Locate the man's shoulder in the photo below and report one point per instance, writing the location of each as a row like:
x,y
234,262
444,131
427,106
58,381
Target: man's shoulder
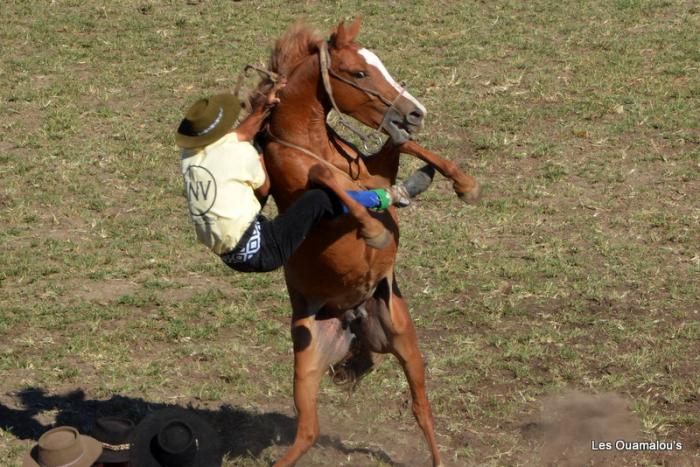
x,y
233,145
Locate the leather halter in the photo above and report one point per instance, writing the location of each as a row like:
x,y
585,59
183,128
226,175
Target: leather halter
x,y
326,73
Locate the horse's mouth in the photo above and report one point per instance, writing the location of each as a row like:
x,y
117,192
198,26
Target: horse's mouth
x,y
402,121
400,130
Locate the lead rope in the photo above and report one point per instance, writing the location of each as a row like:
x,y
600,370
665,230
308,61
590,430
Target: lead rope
x,y
311,154
274,77
271,75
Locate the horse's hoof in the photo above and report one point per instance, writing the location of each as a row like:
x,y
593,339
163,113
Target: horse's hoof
x,y
472,196
378,241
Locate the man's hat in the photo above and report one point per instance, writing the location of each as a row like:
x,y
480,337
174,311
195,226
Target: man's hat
x,y
116,435
63,446
207,120
175,437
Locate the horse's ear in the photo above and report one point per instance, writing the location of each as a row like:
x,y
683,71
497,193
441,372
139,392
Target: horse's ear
x,y
338,36
354,29
344,35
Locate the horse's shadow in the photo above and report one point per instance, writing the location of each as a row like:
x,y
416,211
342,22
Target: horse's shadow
x,y
243,434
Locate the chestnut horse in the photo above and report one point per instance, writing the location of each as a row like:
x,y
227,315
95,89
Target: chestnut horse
x,y
347,307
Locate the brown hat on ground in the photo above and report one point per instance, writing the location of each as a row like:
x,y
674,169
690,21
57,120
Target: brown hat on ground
x,y
207,120
63,446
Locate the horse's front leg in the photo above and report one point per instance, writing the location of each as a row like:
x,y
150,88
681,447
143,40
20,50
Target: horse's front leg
x,y
371,230
466,186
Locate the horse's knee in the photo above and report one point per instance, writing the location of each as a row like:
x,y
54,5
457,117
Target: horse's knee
x,y
308,439
319,173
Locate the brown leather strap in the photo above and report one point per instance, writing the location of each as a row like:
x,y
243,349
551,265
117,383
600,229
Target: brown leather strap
x,y
312,155
325,62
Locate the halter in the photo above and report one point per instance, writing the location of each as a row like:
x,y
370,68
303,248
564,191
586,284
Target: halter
x,y
327,72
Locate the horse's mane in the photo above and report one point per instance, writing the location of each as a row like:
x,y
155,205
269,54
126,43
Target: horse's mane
x,y
297,43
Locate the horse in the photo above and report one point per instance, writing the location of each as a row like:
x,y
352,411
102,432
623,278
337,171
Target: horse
x,y
347,308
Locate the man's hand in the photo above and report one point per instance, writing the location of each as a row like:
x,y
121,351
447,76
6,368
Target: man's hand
x,y
250,125
272,99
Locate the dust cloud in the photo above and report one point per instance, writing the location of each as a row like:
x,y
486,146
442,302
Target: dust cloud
x,y
569,423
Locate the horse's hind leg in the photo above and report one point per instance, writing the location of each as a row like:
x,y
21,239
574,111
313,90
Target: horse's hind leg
x,y
372,230
317,344
403,343
307,377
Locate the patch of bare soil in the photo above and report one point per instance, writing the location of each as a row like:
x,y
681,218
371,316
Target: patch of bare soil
x,y
103,291
570,424
575,429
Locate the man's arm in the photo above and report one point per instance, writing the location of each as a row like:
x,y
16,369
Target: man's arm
x,y
263,190
251,124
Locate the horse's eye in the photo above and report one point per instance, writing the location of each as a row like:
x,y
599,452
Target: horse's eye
x,y
359,74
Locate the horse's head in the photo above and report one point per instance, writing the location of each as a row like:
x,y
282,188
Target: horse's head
x,y
363,88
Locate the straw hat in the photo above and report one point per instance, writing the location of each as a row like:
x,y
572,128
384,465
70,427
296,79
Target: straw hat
x,y
63,446
207,120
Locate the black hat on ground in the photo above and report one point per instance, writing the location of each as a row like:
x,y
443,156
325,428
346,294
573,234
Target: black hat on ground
x,y
175,437
116,435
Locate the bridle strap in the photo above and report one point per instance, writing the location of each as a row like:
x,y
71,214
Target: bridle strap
x,y
370,92
327,72
313,155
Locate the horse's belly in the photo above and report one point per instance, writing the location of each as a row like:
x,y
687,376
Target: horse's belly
x,y
340,273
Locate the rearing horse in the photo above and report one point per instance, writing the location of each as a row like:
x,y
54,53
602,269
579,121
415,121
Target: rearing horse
x,y
347,307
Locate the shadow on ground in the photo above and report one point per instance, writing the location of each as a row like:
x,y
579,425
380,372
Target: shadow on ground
x,y
242,433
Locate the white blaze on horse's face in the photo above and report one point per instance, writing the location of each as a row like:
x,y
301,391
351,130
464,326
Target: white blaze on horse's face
x,y
374,61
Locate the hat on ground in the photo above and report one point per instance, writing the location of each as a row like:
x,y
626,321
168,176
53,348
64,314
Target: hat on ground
x,y
175,437
207,120
63,446
116,435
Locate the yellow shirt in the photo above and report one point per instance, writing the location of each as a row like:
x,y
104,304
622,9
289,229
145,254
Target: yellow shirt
x,y
219,182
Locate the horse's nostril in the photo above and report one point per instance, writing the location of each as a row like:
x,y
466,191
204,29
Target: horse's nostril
x,y
416,114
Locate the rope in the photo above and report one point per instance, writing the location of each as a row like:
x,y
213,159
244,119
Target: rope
x,y
312,155
272,76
